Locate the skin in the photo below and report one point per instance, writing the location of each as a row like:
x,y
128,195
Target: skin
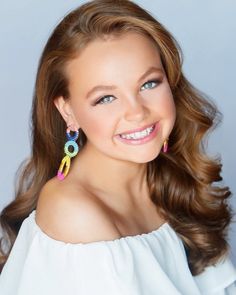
x,y
114,170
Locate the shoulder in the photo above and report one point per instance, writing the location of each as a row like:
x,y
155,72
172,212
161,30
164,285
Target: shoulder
x,y
70,214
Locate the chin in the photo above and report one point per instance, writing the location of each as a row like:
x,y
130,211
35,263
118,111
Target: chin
x,y
148,157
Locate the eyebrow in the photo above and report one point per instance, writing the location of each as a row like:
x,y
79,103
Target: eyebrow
x,y
112,87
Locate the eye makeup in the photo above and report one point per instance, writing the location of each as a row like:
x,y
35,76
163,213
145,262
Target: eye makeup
x,y
155,81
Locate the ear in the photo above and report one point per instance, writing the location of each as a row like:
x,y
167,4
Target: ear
x,y
66,112
62,107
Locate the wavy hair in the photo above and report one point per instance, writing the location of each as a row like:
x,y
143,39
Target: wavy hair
x,y
180,181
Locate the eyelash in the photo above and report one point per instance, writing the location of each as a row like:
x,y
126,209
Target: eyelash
x,y
149,81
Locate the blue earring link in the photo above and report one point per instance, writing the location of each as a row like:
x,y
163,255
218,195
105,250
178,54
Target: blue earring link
x,y
67,158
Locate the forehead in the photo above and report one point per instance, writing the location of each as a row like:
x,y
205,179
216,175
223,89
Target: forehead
x,y
128,54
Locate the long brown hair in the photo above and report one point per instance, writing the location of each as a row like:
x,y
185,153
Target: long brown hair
x,y
180,181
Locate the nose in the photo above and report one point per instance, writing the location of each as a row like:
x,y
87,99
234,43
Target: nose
x,y
135,109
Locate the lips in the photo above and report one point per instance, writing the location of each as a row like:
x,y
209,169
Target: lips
x,y
140,141
138,129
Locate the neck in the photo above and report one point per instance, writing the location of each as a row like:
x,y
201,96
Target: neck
x,y
117,178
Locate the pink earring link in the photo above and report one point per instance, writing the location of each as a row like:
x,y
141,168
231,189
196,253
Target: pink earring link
x,y
165,146
66,161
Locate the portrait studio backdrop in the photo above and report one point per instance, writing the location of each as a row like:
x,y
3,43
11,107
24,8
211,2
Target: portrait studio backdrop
x,y
205,31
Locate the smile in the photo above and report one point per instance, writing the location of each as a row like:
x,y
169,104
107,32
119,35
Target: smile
x,y
139,137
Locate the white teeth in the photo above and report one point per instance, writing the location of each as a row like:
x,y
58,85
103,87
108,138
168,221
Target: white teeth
x,y
138,135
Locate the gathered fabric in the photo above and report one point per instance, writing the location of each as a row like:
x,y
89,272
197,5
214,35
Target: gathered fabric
x,y
145,264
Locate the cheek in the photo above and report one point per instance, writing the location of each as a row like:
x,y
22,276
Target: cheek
x,y
167,107
164,103
93,124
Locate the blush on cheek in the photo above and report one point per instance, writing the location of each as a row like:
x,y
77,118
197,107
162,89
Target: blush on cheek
x,y
96,129
166,107
163,99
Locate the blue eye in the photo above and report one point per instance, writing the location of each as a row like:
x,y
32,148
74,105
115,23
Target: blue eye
x,y
151,82
103,100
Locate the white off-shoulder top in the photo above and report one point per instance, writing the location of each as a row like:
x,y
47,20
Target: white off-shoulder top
x,y
153,263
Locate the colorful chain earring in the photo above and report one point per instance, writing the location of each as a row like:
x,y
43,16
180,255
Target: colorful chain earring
x,y
165,146
66,160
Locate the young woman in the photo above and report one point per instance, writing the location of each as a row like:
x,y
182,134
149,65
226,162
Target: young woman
x,y
118,195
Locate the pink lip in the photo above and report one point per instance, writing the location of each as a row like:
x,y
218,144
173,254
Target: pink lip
x,y
141,140
137,130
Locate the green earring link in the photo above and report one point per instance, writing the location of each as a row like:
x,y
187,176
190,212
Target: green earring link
x,y
66,160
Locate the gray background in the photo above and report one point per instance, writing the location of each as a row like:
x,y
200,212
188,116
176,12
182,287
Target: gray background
x,y
205,31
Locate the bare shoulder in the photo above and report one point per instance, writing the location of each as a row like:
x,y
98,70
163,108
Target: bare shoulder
x,y
70,214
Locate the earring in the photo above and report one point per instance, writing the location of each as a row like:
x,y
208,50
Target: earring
x,y
66,160
165,146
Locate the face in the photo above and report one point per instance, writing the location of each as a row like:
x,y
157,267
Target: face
x,y
138,95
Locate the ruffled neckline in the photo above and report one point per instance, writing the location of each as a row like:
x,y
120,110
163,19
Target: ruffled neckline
x,y
157,231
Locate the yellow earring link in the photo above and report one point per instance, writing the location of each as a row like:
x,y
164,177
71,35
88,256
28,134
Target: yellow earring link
x,y
65,163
